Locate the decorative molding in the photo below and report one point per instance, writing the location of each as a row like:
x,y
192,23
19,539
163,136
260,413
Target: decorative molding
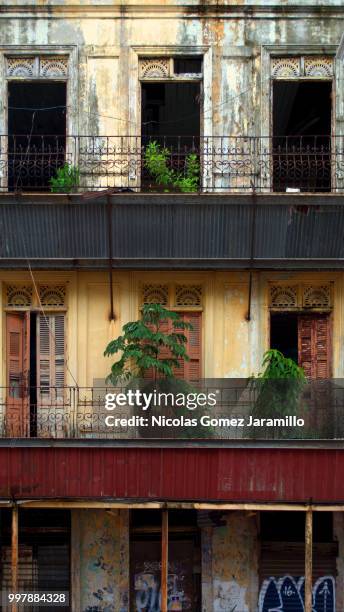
x,y
19,295
313,66
53,66
154,68
21,67
316,296
52,295
319,66
155,294
43,66
188,295
283,296
285,67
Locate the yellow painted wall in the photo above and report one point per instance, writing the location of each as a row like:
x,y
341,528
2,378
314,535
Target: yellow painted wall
x,y
232,345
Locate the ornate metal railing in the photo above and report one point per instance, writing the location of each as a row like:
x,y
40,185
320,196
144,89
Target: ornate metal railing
x,y
223,163
212,410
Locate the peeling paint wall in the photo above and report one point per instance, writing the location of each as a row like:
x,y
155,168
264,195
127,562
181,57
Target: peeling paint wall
x,y
230,564
100,560
108,38
232,346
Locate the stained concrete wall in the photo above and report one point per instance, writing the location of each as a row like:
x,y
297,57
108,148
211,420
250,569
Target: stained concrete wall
x,y
230,564
100,560
105,40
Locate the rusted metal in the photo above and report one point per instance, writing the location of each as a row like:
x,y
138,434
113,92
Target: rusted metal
x,y
164,560
78,413
14,554
308,560
226,163
243,475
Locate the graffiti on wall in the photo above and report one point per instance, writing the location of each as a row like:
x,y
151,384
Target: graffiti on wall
x,y
229,596
148,593
287,594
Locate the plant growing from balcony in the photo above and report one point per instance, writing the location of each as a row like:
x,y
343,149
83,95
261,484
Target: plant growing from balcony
x,y
156,160
150,355
66,180
142,343
277,389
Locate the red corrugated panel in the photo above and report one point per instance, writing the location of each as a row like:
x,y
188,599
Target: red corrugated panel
x,y
175,474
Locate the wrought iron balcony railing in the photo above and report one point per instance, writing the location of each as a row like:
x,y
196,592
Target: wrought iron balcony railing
x,y
242,410
206,164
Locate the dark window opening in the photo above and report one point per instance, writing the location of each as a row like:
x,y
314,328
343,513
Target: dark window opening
x,y
44,552
302,135
36,134
171,118
184,563
305,338
284,334
187,65
290,526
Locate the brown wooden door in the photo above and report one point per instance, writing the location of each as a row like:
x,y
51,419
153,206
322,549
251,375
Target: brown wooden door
x,y
18,359
314,350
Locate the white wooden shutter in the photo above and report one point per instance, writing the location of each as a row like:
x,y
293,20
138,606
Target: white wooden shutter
x,y
50,356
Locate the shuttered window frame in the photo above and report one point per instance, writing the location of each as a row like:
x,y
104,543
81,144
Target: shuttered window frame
x,y
188,370
51,357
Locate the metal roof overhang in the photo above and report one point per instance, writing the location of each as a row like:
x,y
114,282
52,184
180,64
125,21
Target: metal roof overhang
x,y
172,231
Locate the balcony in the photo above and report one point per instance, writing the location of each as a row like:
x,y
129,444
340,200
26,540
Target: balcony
x,y
224,164
245,411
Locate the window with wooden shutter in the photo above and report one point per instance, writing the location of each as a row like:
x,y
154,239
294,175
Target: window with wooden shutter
x,y
314,351
191,370
50,356
187,370
17,363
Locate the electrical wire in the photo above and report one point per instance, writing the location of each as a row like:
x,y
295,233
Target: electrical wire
x,y
45,316
152,121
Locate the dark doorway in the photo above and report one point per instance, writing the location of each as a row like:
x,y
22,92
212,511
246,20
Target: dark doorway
x,y
301,135
284,334
171,119
184,560
37,133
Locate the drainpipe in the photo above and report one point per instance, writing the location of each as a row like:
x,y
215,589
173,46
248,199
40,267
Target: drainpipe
x,y
109,210
252,250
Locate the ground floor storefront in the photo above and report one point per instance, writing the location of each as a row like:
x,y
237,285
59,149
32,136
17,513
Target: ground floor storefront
x,y
114,558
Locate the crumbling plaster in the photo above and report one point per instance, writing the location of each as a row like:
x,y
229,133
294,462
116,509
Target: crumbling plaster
x,y
106,60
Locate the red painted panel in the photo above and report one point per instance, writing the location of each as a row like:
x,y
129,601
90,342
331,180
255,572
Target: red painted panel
x,y
174,474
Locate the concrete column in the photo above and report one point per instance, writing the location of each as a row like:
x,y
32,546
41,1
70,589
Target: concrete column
x,y
230,560
100,560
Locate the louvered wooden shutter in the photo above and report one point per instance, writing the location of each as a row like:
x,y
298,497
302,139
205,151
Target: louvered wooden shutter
x,y
50,356
165,328
315,345
17,345
187,370
15,353
192,368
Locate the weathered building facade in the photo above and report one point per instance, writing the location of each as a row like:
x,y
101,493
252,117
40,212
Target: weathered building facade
x,y
247,247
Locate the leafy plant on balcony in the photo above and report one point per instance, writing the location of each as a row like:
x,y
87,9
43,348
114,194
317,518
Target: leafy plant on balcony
x,y
144,342
278,389
149,357
66,180
156,160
